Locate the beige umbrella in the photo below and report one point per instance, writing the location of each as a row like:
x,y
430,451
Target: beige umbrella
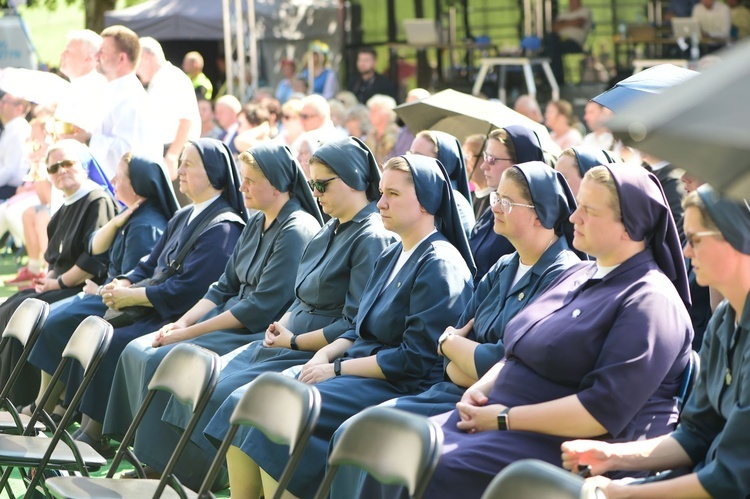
x,y
39,87
462,115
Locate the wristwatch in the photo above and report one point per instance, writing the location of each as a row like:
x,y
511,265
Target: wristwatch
x,y
441,340
503,424
337,367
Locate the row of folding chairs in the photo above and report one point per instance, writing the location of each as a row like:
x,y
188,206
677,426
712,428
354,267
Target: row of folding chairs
x,y
393,446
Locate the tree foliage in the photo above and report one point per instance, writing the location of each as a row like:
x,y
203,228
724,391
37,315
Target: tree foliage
x,y
94,9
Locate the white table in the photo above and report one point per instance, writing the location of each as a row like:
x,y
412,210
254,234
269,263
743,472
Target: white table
x,y
526,63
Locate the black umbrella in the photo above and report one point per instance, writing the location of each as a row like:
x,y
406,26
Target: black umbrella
x,y
701,125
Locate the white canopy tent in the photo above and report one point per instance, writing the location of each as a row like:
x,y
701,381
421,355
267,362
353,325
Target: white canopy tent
x,y
265,30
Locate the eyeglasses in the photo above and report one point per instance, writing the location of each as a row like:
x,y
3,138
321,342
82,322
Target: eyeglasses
x,y
54,167
491,159
320,185
506,205
307,116
695,238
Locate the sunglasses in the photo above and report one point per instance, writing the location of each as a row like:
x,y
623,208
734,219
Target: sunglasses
x,y
320,185
54,167
491,159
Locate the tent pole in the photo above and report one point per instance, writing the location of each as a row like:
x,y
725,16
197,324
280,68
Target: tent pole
x,y
239,34
253,41
228,58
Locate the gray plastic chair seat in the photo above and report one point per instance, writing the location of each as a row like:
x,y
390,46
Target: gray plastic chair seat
x,y
15,448
535,479
96,488
7,424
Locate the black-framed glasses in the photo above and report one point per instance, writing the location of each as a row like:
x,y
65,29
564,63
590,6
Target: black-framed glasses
x,y
491,159
54,167
506,205
695,237
320,185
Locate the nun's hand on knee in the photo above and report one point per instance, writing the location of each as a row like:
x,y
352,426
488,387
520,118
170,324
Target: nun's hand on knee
x,y
277,336
316,373
168,334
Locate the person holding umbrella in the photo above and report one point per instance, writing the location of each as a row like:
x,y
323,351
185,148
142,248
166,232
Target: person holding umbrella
x,y
708,453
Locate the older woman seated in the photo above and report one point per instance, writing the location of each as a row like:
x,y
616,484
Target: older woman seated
x,y
256,288
143,186
599,354
709,452
207,175
86,208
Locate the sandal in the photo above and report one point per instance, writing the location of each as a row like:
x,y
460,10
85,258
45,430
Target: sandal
x,y
26,410
150,473
102,446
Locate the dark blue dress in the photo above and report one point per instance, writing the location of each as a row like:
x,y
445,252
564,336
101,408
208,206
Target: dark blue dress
x,y
133,241
714,423
620,346
333,271
202,265
257,286
492,306
399,324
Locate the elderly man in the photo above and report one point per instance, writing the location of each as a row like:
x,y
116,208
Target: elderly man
x,y
529,107
226,109
384,132
128,124
172,100
84,105
16,130
316,120
192,65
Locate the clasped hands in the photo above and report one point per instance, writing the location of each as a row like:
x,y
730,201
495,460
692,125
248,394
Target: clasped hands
x,y
117,294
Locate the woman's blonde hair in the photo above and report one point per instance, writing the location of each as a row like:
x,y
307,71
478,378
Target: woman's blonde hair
x,y
248,159
602,176
399,164
502,136
693,200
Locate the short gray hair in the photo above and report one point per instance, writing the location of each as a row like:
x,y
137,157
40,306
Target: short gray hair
x,y
153,47
92,41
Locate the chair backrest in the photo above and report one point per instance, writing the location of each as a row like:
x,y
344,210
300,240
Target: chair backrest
x,y
24,325
186,374
284,409
534,479
88,345
26,320
88,340
393,446
189,373
689,378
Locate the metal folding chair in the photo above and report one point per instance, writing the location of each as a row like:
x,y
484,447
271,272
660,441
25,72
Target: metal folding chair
x,y
24,325
187,372
534,479
284,409
87,345
393,446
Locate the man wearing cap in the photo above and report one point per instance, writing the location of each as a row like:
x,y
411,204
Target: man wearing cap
x,y
16,130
